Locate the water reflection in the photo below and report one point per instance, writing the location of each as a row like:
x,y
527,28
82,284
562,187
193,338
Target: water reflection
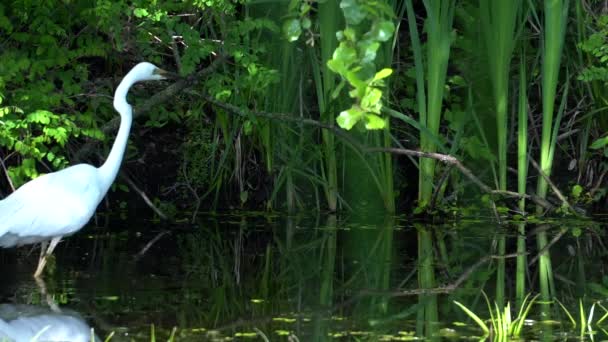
x,y
313,278
27,323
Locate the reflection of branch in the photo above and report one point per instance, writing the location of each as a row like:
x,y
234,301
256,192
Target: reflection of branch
x,y
444,158
546,248
447,288
150,244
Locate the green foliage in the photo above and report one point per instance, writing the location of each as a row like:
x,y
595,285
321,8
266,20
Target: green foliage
x,y
298,19
37,136
368,25
596,47
55,54
42,81
198,155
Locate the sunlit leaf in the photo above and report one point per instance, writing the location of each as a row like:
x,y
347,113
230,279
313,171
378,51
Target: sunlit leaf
x,y
383,31
577,190
374,122
371,100
384,73
599,143
348,118
292,29
141,12
40,116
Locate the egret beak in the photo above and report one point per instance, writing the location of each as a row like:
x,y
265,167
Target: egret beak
x,y
164,73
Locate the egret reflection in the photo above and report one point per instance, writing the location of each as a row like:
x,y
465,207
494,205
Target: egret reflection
x,y
30,323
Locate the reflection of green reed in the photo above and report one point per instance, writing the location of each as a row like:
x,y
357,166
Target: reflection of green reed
x,y
210,266
327,261
498,27
522,176
428,315
372,250
556,17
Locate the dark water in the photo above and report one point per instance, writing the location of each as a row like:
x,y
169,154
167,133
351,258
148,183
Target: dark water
x,y
256,277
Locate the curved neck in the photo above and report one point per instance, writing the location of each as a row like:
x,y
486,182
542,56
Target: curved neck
x,y
109,169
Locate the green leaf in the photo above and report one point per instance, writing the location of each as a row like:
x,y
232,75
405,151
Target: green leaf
x,y
343,57
477,149
306,23
336,92
350,34
50,156
599,143
374,122
384,73
141,12
383,30
368,49
247,127
40,116
577,190
371,101
353,13
292,29
348,118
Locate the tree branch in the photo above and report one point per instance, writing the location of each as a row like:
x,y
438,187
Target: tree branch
x,y
444,158
159,98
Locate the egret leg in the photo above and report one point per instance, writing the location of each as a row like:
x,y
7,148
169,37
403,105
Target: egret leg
x,y
43,246
45,254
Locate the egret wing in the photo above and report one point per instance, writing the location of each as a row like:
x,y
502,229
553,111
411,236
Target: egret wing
x,y
52,205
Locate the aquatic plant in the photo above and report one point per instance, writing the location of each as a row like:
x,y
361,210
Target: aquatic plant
x,y
504,325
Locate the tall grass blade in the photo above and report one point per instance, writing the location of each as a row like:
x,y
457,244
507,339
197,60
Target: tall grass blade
x,y
523,313
499,19
555,12
440,14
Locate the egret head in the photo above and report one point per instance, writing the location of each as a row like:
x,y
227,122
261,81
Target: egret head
x,y
145,71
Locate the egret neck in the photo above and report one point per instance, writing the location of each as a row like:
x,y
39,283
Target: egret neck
x,y
109,169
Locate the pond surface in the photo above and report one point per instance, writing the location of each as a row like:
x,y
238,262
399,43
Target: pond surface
x,y
260,277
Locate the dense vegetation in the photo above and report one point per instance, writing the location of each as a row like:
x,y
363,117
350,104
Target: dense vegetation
x,y
318,105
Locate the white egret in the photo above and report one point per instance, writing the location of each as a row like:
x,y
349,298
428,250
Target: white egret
x,y
60,203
